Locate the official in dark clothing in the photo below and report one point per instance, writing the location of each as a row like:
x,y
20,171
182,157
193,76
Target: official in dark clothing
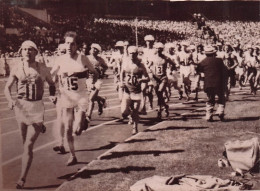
x,y
215,82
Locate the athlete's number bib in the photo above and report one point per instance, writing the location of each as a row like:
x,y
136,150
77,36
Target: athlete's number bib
x,y
31,90
70,83
158,70
132,80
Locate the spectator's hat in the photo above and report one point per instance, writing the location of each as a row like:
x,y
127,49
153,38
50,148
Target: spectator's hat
x,y
169,45
192,47
228,45
140,49
132,49
249,46
62,47
27,44
96,46
119,44
209,49
158,45
219,44
184,43
257,47
149,38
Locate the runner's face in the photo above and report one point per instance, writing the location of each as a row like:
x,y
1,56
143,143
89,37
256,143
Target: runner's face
x,y
71,46
94,51
171,51
149,44
133,55
29,53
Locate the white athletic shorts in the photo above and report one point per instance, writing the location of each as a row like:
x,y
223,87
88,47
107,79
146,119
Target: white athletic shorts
x,y
97,85
29,112
70,99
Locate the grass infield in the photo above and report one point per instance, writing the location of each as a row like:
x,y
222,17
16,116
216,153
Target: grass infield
x,y
185,145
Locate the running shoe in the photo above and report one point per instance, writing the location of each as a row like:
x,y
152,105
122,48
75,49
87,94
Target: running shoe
x,y
167,110
20,183
135,130
60,149
43,129
72,161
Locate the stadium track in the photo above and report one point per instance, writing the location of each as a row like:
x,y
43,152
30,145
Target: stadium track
x,y
49,168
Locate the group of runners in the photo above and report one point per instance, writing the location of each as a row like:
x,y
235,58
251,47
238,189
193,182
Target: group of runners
x,y
139,73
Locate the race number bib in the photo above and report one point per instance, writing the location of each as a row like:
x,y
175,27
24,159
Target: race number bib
x,y
158,70
31,90
132,79
69,83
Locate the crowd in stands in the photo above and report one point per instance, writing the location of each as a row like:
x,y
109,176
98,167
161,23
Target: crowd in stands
x,y
107,32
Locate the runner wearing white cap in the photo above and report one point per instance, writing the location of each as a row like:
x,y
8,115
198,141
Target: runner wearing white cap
x,y
100,65
133,74
172,69
158,69
116,62
29,109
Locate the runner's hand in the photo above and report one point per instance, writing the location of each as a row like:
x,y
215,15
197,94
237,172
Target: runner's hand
x,y
53,99
11,104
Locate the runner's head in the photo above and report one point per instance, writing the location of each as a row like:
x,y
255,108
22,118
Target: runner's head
x,y
159,47
61,49
133,52
70,38
28,51
120,46
95,49
170,48
149,40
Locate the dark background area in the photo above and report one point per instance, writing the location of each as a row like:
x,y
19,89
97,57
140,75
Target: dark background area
x,y
213,10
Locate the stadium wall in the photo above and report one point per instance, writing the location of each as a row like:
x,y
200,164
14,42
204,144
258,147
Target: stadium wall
x,y
178,10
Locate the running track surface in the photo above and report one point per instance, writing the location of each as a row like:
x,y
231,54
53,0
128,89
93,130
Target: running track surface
x,y
105,132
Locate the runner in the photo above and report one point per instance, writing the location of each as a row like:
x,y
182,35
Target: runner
x,y
147,88
172,74
132,75
116,62
158,69
72,70
29,110
186,61
230,61
100,65
59,125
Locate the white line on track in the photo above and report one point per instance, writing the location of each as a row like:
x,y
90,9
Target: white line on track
x,y
90,129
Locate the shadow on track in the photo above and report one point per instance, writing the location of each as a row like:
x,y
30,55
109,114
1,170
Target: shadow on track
x,y
130,153
170,128
87,173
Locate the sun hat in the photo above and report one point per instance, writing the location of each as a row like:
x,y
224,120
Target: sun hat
x,y
132,49
97,46
149,38
209,49
28,43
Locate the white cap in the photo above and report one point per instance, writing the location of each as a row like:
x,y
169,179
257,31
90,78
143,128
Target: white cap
x,y
209,49
132,49
119,43
97,46
169,45
28,43
158,45
192,47
185,43
149,38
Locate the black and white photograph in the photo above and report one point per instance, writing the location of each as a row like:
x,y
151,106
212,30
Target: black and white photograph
x,y
129,95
